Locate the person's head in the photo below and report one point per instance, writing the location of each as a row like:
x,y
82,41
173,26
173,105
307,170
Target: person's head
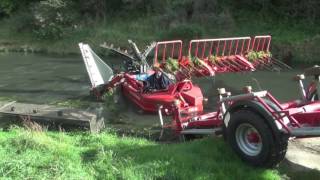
x,y
157,70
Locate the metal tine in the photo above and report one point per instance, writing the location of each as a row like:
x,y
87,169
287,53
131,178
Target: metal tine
x,y
281,63
222,65
233,66
263,65
247,68
217,65
189,71
273,64
241,67
229,66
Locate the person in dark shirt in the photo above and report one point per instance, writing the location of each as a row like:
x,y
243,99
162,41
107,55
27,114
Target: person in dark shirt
x,y
157,81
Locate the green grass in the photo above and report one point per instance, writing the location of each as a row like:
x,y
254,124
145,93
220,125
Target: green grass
x,y
42,155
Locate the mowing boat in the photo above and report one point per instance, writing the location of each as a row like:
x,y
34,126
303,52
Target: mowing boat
x,y
206,58
133,87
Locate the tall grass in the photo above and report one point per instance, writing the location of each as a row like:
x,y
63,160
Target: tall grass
x,y
49,155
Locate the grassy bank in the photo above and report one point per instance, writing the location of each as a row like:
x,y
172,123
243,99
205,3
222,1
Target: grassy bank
x,y
41,155
293,41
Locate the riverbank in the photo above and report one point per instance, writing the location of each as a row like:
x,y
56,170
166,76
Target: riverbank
x,y
292,42
38,155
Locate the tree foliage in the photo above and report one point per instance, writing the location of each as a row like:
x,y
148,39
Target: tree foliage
x,y
54,18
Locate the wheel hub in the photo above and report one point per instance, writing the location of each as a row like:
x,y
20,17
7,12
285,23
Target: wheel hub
x,y
248,139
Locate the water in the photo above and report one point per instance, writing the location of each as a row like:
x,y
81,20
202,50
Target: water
x,y
42,79
38,78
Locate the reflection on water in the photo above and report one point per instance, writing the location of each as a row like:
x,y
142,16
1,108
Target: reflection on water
x,y
42,79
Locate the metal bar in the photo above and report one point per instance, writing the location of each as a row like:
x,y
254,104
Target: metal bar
x,y
241,52
244,96
236,50
190,49
201,131
269,43
248,46
258,44
172,51
203,50
274,100
252,43
180,51
168,42
306,131
211,48
164,53
224,47
230,47
160,115
155,61
263,44
220,39
217,48
197,46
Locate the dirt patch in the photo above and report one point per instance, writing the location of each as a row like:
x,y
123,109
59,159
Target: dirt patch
x,y
305,152
302,159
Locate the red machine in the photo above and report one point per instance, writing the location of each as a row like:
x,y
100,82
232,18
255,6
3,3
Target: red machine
x,y
256,125
206,57
102,79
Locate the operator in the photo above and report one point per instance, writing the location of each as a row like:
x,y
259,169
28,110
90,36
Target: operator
x,y
157,81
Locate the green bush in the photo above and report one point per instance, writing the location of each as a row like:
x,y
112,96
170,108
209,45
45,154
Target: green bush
x,y
8,7
53,19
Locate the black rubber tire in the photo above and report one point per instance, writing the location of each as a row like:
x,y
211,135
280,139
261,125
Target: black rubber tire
x,y
273,149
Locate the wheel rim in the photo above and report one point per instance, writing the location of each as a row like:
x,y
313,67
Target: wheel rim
x,y
248,139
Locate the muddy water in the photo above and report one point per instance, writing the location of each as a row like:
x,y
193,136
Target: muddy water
x,y
43,79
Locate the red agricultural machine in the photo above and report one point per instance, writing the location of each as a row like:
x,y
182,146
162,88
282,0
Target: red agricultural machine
x,y
206,57
256,124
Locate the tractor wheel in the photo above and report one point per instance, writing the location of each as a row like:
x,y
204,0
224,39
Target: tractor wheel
x,y
253,140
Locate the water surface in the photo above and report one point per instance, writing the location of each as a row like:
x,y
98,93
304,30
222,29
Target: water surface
x,y
43,78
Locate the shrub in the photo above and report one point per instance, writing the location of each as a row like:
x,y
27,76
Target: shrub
x,y
53,19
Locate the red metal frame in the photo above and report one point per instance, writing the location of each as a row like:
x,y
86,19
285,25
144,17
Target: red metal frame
x,y
229,53
219,47
261,43
168,49
298,115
